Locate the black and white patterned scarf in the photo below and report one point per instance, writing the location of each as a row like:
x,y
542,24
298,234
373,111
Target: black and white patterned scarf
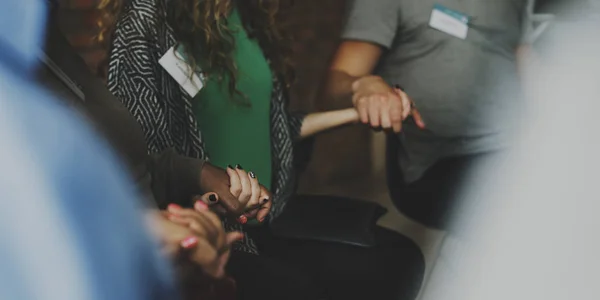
x,y
164,110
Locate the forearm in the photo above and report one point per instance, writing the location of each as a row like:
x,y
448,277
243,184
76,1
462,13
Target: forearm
x,y
339,88
318,122
342,87
353,60
175,178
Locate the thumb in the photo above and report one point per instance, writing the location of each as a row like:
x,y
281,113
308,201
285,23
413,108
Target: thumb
x,y
406,107
409,108
418,118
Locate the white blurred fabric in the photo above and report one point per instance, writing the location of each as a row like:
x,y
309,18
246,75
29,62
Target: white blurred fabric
x,y
531,230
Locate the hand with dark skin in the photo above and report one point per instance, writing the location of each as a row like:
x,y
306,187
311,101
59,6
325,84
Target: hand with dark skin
x,y
238,193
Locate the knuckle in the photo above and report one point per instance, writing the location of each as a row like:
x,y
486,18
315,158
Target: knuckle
x,y
246,194
236,207
211,254
236,190
194,223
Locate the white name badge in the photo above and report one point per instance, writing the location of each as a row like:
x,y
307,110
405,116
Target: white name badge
x,y
449,21
176,66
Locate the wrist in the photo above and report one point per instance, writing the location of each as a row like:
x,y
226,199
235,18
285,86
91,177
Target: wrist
x,y
359,82
349,116
356,84
207,173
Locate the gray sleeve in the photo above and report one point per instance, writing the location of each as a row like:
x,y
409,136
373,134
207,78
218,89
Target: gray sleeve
x,y
526,22
372,21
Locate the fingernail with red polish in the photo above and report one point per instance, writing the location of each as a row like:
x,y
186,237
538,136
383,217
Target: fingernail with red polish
x,y
240,237
243,220
199,205
173,206
189,242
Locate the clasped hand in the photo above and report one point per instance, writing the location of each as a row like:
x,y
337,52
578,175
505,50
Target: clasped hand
x,y
381,106
194,234
237,193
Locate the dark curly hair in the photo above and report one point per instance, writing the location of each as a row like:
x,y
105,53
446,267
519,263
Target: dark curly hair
x,y
200,26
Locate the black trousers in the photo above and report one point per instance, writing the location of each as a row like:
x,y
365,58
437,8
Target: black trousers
x,y
300,269
434,199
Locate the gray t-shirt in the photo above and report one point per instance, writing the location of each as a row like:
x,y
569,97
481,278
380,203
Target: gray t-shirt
x,y
466,90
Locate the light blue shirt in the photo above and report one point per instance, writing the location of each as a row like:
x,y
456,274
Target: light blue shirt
x,y
70,227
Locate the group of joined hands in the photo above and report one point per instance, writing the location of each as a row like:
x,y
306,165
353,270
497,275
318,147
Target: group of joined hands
x,y
198,233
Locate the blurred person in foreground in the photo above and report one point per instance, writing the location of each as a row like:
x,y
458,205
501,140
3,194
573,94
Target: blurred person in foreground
x,y
69,227
454,60
535,235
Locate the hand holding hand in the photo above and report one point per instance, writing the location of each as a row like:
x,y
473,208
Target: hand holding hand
x,y
381,106
255,197
198,235
217,180
236,193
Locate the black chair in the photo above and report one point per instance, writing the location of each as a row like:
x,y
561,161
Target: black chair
x,y
349,227
329,219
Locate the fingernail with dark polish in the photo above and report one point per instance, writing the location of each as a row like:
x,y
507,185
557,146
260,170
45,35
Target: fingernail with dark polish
x,y
230,167
399,87
212,198
265,201
239,167
252,174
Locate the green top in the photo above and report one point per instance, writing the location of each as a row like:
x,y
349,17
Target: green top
x,y
235,133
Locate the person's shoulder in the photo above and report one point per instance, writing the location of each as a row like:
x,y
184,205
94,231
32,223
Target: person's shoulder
x,y
38,118
141,18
